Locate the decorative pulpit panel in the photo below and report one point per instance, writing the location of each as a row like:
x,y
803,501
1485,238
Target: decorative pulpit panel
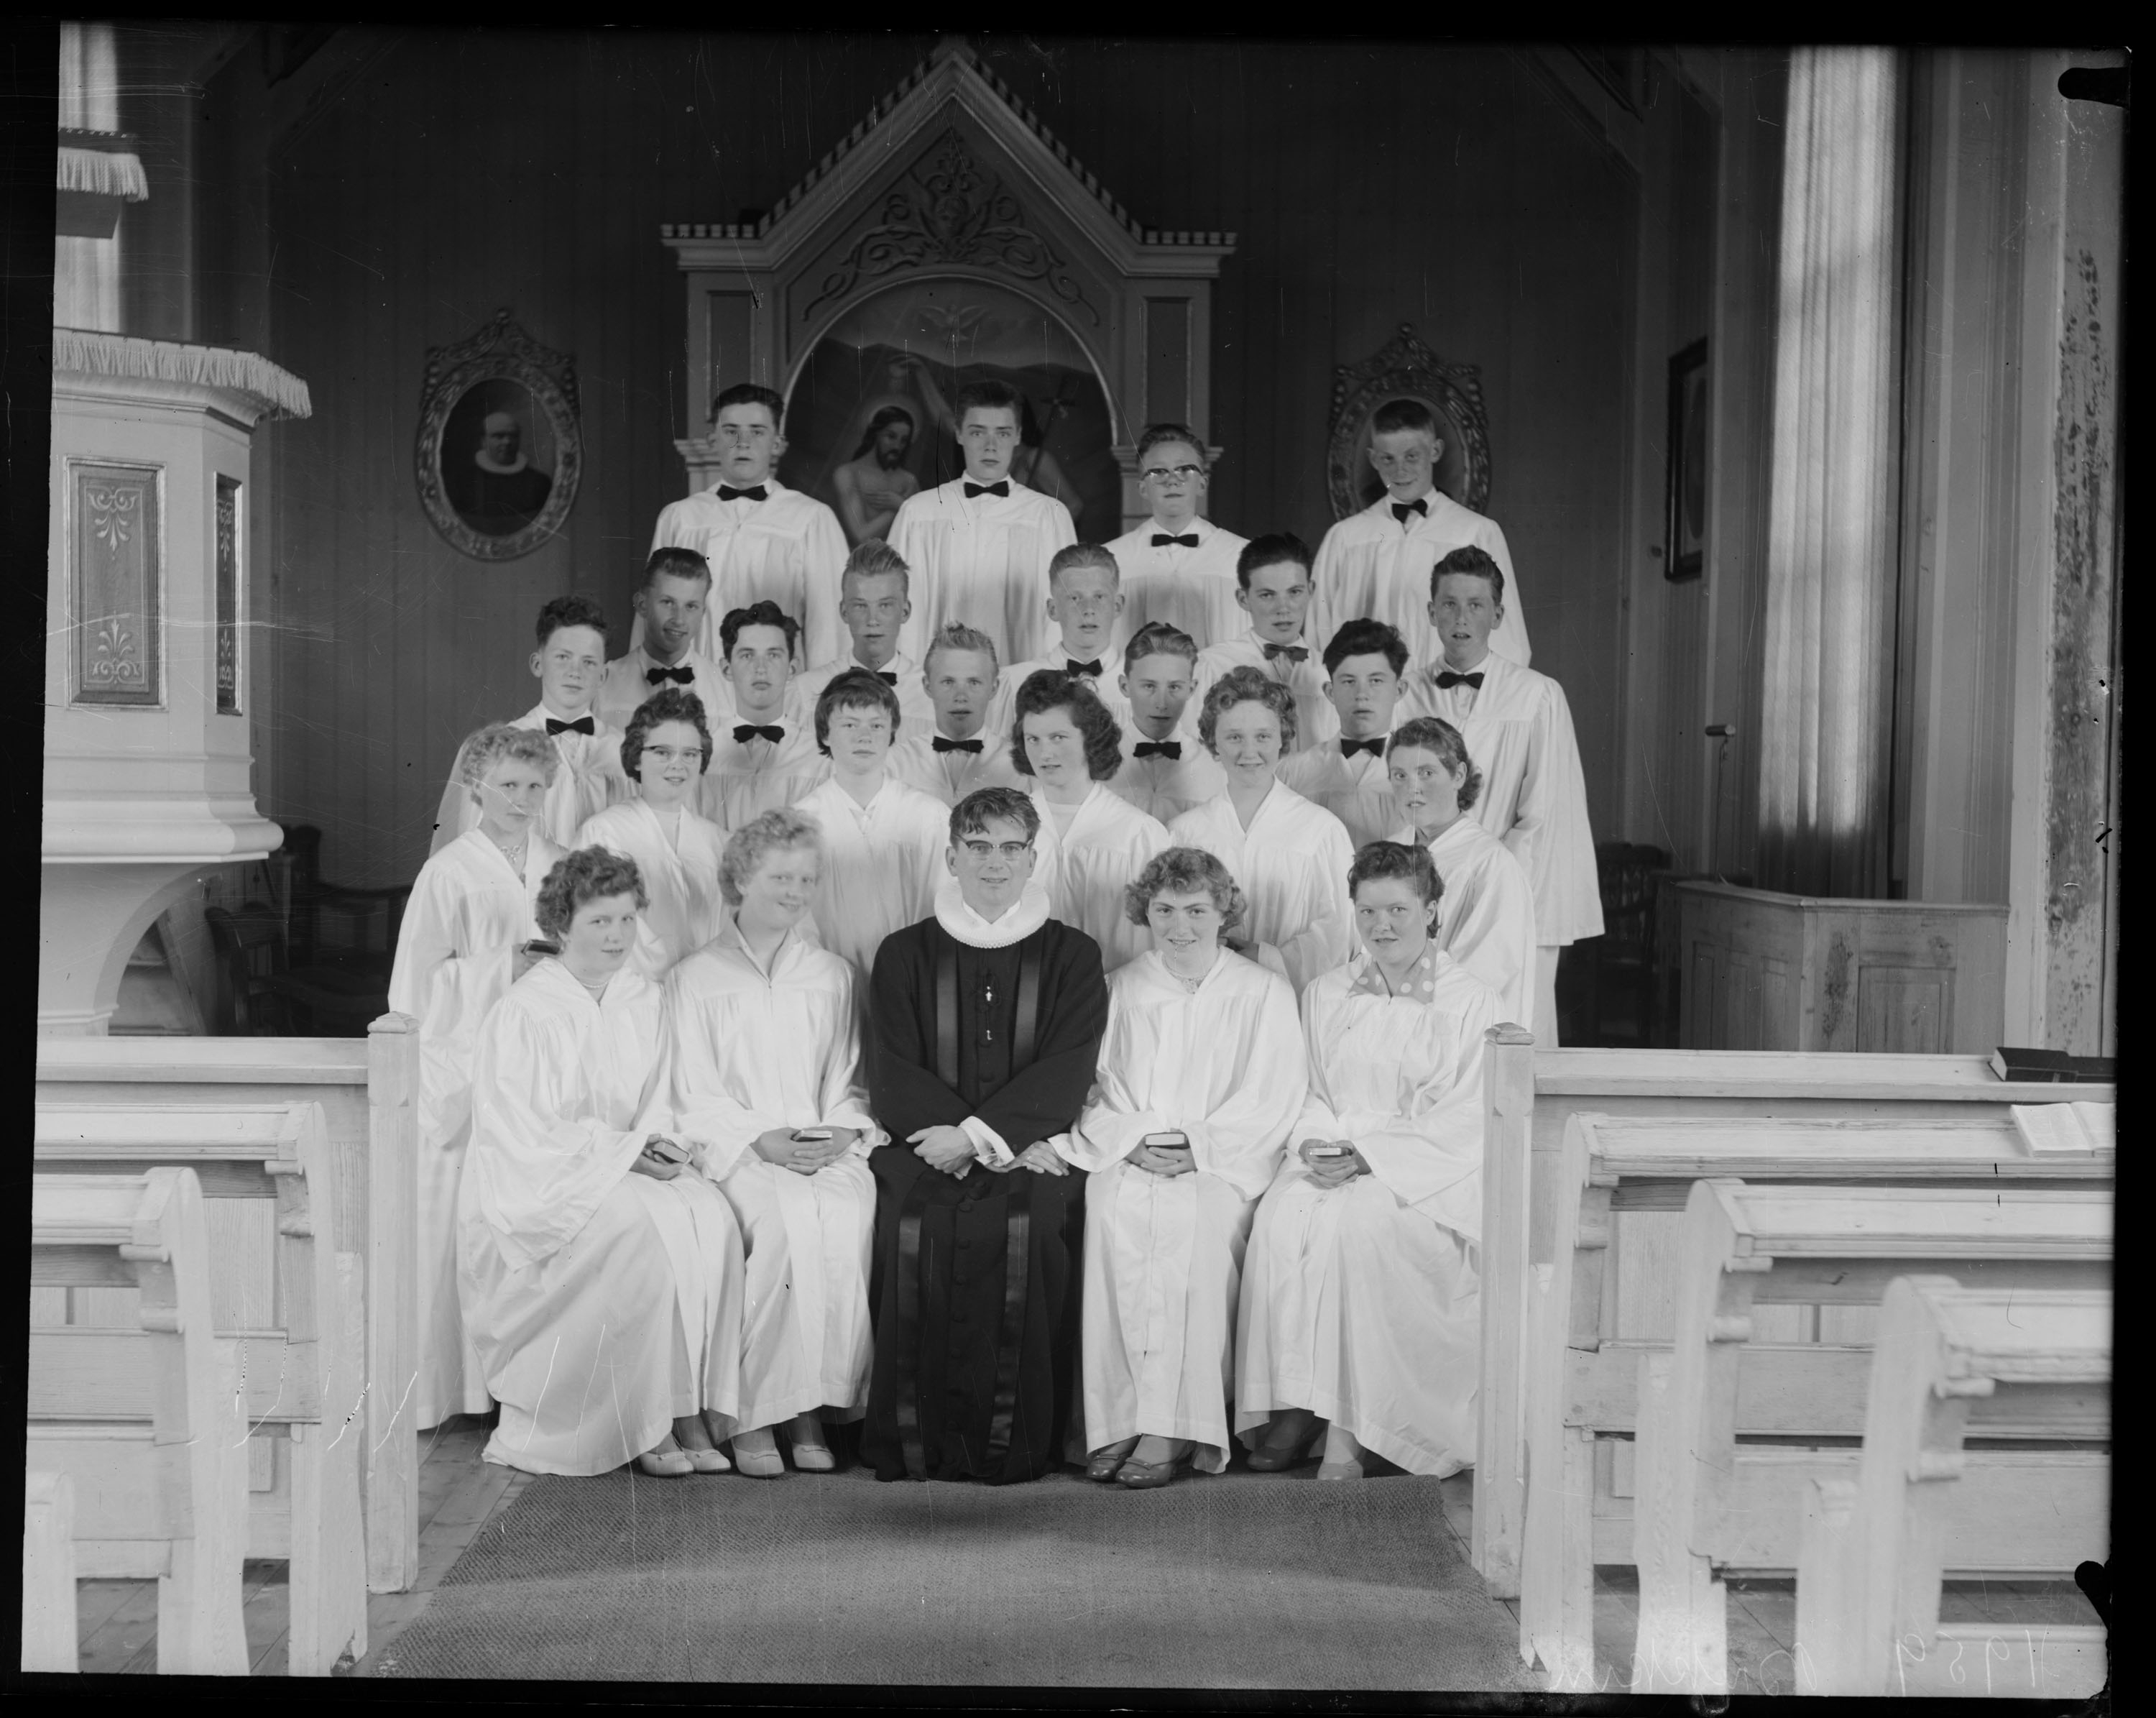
x,y
950,239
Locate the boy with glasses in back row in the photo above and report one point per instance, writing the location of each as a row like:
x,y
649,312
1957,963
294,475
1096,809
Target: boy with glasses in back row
x,y
1179,566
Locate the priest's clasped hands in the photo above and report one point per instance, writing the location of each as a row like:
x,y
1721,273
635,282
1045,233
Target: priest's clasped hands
x,y
1329,1171
951,1150
804,1153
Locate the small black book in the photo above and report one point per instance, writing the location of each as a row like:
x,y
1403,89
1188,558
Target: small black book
x,y
2053,1065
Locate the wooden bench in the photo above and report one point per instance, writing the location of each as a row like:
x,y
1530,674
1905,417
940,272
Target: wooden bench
x,y
295,1340
1871,1557
1708,1503
168,1499
1531,1094
367,1090
1609,1296
49,1618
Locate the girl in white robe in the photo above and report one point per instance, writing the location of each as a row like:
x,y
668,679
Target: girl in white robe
x,y
765,1043
1202,1043
1290,856
1361,1303
458,952
1092,842
1487,919
665,749
601,1279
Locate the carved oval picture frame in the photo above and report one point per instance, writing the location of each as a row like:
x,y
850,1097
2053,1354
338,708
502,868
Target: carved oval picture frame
x,y
1404,369
500,447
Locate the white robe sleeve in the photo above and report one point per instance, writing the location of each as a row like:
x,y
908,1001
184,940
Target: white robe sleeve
x,y
539,1173
1511,639
1559,847
1492,933
844,1102
709,1116
1327,935
426,940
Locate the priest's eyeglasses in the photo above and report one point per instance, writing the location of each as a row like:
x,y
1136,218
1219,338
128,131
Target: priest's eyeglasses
x,y
1010,852
1161,474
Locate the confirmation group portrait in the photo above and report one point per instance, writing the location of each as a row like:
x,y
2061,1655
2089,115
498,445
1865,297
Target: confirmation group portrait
x,y
1019,998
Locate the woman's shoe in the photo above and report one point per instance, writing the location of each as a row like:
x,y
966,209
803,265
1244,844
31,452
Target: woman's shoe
x,y
1339,1470
755,1453
1102,1463
1270,1458
709,1461
666,1463
811,1454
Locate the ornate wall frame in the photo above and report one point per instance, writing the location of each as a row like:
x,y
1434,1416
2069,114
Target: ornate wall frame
x,y
1404,369
500,353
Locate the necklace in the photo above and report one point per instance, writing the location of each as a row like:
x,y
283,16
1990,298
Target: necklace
x,y
515,854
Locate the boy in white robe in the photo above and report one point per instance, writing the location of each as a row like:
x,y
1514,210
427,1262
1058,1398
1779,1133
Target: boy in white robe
x,y
1166,768
883,842
1085,597
1487,919
570,665
765,542
1178,566
1361,1305
602,1281
959,754
471,912
665,751
1290,856
765,1048
979,548
768,758
1205,1046
1518,729
1273,590
1375,564
671,603
1091,843
1362,666
874,602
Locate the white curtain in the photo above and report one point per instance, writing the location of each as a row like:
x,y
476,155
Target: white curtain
x,y
86,271
1830,558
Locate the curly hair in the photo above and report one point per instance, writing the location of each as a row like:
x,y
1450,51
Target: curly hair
x,y
670,703
1047,689
1246,685
763,613
856,689
575,609
589,874
1367,638
972,814
490,745
1377,861
1185,870
1434,734
1474,562
748,846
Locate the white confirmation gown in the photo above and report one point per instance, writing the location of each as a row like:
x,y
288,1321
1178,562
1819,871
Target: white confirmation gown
x,y
1086,868
751,1050
604,1304
881,864
1163,1254
1362,1303
456,955
1292,864
680,873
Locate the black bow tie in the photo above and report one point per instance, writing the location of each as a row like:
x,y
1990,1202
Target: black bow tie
x,y
887,675
747,731
757,493
1298,654
1402,509
683,676
938,743
583,724
974,488
1091,668
1446,680
1170,750
1161,539
1375,748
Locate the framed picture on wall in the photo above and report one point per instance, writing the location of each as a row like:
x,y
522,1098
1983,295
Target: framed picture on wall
x,y
1684,545
500,448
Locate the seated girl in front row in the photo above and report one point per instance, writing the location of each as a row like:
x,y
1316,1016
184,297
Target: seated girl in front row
x,y
601,1283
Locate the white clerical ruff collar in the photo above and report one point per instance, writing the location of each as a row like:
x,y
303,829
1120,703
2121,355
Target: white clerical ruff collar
x,y
1020,920
486,464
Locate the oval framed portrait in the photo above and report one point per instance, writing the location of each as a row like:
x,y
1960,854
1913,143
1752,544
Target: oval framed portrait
x,y
499,448
1405,369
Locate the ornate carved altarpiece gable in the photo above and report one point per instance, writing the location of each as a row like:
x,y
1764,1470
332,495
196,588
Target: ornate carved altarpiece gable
x,y
953,179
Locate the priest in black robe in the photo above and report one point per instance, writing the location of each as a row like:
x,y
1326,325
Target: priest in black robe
x,y
985,1025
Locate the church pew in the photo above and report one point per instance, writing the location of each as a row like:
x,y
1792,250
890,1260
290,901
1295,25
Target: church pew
x,y
1707,1503
168,1499
1529,1094
1622,1181
296,1363
367,1089
1871,1556
50,1619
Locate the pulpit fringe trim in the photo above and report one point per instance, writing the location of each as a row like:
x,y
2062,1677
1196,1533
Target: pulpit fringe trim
x,y
88,352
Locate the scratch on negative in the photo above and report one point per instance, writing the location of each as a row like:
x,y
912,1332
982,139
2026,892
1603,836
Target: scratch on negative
x,y
546,1381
